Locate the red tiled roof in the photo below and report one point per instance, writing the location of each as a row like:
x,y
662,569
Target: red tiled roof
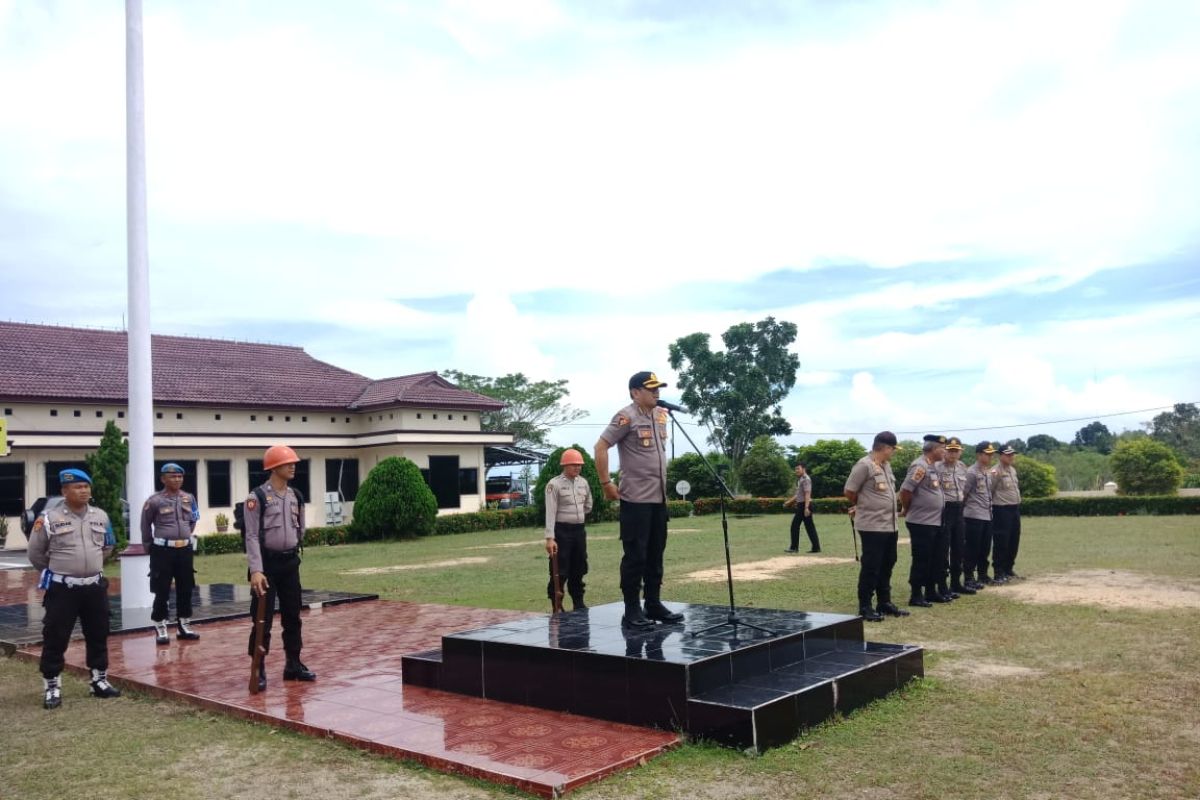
x,y
47,362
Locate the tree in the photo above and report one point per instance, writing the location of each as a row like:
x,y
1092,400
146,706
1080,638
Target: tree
x,y
1044,443
531,408
690,467
737,393
765,471
1035,478
1179,429
394,501
1096,436
552,468
107,467
1018,445
908,452
828,462
1146,466
1079,470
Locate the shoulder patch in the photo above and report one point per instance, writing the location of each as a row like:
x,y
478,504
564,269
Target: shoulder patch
x,y
39,524
622,420
251,504
147,506
919,474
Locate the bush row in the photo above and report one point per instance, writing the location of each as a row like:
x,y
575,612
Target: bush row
x,y
1099,506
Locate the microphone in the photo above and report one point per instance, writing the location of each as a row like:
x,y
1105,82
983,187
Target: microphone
x,y
672,407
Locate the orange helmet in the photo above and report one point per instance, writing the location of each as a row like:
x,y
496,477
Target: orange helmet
x,y
278,455
570,456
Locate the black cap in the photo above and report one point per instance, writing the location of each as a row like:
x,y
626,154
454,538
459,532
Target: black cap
x,y
985,447
1008,450
935,437
885,437
645,380
954,443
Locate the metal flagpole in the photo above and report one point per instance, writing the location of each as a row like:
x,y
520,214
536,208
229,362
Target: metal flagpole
x,y
139,482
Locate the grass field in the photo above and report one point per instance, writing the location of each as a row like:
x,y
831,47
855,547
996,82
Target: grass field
x,y
1080,682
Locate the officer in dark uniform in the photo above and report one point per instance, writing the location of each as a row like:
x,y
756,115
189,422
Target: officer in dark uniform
x,y
273,554
168,522
639,431
922,504
953,541
68,544
871,490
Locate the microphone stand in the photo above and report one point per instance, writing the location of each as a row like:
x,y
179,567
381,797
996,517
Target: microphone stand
x,y
732,620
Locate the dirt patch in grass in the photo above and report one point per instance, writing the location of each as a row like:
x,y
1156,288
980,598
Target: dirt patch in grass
x,y
452,562
979,668
1107,589
769,570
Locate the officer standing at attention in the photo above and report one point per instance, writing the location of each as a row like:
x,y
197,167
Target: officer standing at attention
x,y
951,546
568,502
921,504
977,516
274,532
172,514
639,430
68,544
802,502
1006,514
871,490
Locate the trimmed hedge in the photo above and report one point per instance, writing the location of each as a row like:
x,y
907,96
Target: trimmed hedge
x,y
215,544
768,505
1098,506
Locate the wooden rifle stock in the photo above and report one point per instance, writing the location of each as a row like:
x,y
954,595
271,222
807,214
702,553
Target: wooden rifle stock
x,y
260,624
556,603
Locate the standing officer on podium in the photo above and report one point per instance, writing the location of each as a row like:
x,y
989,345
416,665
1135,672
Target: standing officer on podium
x,y
639,430
172,513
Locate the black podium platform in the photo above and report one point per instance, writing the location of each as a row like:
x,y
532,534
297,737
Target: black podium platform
x,y
740,687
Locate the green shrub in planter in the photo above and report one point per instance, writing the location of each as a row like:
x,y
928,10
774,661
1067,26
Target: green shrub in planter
x,y
394,502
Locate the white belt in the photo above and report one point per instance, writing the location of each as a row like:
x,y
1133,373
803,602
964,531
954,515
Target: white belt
x,y
69,581
172,542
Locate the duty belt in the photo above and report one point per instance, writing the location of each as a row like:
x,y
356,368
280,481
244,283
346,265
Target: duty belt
x,y
172,542
67,580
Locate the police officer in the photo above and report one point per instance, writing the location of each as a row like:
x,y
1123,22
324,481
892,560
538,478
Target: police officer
x,y
977,516
274,532
1006,514
871,490
68,544
568,502
802,502
639,431
922,504
168,522
952,544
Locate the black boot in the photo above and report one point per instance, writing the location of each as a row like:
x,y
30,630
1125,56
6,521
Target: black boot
x,y
959,587
869,614
656,610
294,670
100,686
634,619
917,599
262,675
185,629
944,592
889,608
577,603
53,692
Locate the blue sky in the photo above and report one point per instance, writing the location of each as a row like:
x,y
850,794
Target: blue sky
x,y
979,215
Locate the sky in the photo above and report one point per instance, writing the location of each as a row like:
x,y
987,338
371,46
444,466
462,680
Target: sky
x,y
981,216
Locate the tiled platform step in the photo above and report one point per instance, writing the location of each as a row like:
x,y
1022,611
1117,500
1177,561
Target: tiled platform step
x,y
738,685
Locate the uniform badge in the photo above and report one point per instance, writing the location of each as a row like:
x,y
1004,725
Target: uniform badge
x,y
919,474
622,420
251,504
37,525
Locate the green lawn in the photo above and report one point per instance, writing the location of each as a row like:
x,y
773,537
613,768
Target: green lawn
x,y
1020,700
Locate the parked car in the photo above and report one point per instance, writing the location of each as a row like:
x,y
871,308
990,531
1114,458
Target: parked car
x,y
506,491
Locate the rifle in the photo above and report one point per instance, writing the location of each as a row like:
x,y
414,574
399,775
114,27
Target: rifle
x,y
556,602
854,537
260,623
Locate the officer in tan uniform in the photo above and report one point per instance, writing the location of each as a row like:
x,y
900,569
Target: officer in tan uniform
x,y
68,544
273,555
802,502
168,522
1006,515
922,504
977,515
568,502
952,543
871,490
639,431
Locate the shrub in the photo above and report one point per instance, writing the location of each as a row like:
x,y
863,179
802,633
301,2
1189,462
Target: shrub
x,y
552,468
690,467
1146,466
523,517
215,544
1109,506
678,508
764,470
394,501
1035,478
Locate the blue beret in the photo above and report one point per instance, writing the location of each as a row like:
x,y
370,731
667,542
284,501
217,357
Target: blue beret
x,y
73,476
171,467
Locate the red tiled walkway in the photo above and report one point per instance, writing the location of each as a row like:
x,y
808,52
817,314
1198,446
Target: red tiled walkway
x,y
355,650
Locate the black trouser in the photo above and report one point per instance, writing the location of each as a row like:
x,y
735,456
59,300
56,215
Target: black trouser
x,y
572,559
875,569
643,540
1006,519
65,604
954,531
922,539
809,527
283,577
171,564
979,545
